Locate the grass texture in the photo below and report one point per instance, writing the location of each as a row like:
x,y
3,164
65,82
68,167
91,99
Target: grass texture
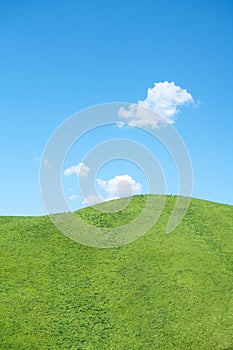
x,y
163,291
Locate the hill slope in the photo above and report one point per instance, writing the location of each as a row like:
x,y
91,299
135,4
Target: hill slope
x,y
159,292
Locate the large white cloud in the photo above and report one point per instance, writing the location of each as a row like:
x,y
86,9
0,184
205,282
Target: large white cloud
x,y
80,169
119,186
162,105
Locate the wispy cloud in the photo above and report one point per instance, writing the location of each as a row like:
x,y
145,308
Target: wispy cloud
x,y
47,163
44,161
80,169
161,105
73,197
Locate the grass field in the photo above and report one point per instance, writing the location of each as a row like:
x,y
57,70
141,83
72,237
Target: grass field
x,y
162,291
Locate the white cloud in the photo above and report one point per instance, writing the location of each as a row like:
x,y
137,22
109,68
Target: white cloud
x,y
91,200
73,197
119,186
162,105
139,116
80,169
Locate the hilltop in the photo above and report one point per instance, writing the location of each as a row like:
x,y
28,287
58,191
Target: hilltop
x,y
162,291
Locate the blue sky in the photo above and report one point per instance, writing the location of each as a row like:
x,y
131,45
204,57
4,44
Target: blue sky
x,y
59,57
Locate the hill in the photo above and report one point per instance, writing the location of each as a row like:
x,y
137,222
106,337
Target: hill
x,y
159,292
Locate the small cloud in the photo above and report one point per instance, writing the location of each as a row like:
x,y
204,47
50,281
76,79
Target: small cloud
x,y
73,197
47,163
121,124
160,106
80,169
91,200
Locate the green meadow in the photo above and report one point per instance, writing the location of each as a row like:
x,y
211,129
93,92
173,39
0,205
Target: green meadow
x,y
163,291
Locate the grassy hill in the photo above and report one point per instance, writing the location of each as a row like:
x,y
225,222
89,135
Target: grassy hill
x,y
160,292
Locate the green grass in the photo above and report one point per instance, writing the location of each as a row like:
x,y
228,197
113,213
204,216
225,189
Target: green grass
x,y
159,292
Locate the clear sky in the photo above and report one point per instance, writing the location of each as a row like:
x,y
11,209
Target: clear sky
x,y
58,57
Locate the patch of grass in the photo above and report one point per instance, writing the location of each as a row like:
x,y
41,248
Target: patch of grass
x,y
162,291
